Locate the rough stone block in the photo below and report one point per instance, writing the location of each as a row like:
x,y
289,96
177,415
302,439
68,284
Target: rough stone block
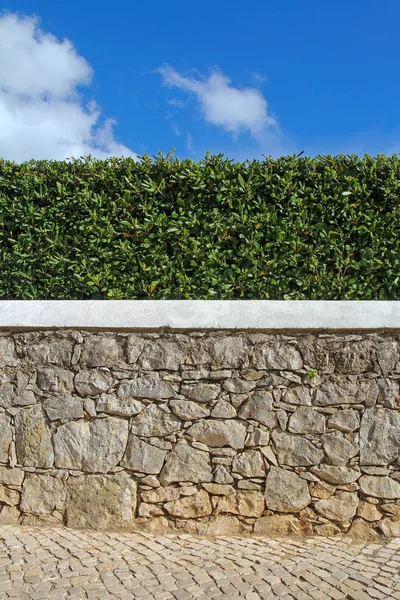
x,y
91,446
101,502
33,438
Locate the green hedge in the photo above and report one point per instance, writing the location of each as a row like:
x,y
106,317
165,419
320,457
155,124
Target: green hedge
x,y
292,228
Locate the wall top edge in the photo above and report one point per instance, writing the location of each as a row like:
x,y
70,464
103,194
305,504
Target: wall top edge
x,y
278,315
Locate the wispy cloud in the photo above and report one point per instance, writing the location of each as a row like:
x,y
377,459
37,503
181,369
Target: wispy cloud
x,y
42,114
236,110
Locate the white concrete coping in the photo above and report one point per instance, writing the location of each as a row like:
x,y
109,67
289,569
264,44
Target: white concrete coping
x,y
200,314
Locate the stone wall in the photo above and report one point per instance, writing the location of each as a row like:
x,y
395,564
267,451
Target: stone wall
x,y
203,432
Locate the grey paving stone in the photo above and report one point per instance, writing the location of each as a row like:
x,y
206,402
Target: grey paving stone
x,y
57,563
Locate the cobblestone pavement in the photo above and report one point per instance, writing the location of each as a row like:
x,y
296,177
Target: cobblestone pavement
x,y
55,563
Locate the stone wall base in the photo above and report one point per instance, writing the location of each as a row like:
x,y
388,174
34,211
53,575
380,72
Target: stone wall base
x,y
210,433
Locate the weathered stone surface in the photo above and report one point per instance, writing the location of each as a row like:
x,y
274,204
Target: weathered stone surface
x,y
327,530
378,471
338,449
363,531
153,421
249,464
277,355
346,390
379,436
33,438
24,381
220,525
101,501
93,382
5,437
238,399
162,494
24,398
221,475
306,420
390,528
368,512
63,407
199,351
217,489
392,509
368,393
238,386
149,386
201,392
208,412
250,503
164,355
143,457
253,375
269,454
285,491
9,496
150,510
134,345
8,357
294,450
315,353
114,405
185,463
282,525
246,503
341,507
41,494
156,525
91,446
51,351
188,410
389,394
57,380
216,433
344,420
336,390
380,487
353,357
337,475
258,437
223,410
259,408
298,395
13,476
49,520
150,480
6,395
9,515
388,356
190,507
230,352
322,490
187,489
101,351
191,374
89,406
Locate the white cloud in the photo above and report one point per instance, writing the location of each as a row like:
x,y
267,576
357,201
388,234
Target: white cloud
x,y
235,110
42,115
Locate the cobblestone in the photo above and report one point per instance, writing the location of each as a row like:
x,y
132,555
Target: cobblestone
x,y
59,563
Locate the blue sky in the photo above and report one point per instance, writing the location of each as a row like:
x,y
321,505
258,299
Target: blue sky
x,y
243,79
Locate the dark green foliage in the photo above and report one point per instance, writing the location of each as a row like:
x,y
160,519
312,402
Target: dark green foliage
x,y
293,228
